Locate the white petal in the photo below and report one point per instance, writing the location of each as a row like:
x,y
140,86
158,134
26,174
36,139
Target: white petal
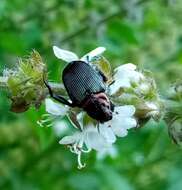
x,y
123,111
136,76
124,76
67,140
118,129
123,133
65,55
119,83
107,133
96,52
54,108
128,123
95,141
128,66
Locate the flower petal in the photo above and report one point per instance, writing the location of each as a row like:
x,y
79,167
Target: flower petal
x,y
123,83
54,108
119,130
120,127
123,120
107,133
128,66
124,76
128,123
123,111
67,140
122,133
65,55
95,141
96,52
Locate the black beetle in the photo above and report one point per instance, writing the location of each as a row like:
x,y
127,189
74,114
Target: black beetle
x,y
86,87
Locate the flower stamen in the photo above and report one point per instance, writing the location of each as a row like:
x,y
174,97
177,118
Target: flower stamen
x,y
80,165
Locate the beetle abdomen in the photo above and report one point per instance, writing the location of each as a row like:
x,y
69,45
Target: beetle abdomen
x,y
79,79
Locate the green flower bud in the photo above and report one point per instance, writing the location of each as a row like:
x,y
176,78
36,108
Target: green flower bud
x,y
25,83
175,131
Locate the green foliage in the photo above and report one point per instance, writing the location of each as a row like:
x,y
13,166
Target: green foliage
x,y
147,34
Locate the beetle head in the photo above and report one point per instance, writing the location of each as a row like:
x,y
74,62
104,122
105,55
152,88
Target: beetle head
x,y
99,107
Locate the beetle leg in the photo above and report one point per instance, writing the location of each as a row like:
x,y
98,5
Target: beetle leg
x,y
105,79
58,97
62,100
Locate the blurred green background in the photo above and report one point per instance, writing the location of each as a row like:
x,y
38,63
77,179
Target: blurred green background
x,y
145,32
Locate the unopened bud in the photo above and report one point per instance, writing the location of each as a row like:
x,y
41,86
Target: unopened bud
x,y
175,131
25,83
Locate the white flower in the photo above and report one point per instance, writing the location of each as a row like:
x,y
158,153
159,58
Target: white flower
x,y
123,120
124,76
102,137
69,56
91,138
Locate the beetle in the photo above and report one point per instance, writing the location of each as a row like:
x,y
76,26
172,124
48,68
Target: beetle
x,y
86,87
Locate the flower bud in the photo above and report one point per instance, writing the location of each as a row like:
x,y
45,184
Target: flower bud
x,y
25,83
175,92
175,131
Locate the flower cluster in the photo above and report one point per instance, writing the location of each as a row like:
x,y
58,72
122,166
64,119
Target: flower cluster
x,y
89,135
136,88
25,83
132,92
125,87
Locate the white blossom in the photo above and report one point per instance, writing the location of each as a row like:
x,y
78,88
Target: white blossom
x,y
69,56
101,138
65,55
123,119
91,138
124,76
